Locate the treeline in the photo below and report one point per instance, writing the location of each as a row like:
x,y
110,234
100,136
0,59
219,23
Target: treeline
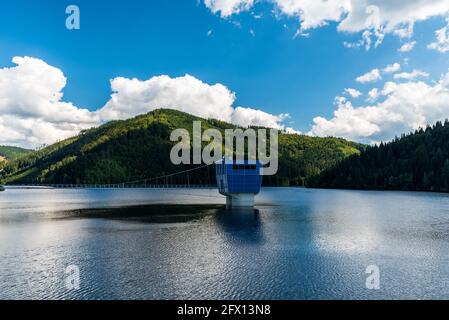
x,y
12,153
415,162
139,148
8,153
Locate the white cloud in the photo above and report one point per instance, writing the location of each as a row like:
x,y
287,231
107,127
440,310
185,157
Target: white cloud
x,y
407,47
313,13
376,74
32,112
391,15
251,117
442,42
227,8
373,95
380,17
132,97
292,131
392,68
411,75
372,76
405,107
405,32
353,92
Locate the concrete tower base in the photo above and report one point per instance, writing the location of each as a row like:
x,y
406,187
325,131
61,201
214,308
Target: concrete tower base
x,y
242,200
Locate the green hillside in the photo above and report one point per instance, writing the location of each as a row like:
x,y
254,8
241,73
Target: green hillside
x,y
140,148
416,162
12,153
8,153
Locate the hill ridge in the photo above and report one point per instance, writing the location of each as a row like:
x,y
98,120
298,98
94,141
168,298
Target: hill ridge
x,y
418,161
140,148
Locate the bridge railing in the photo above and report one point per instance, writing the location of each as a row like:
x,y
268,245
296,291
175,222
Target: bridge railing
x,y
169,181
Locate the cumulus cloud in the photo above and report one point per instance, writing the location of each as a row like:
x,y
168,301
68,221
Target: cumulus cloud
x,y
392,68
293,131
442,39
227,8
373,95
380,17
392,16
313,13
403,107
353,92
252,117
411,75
132,97
407,47
376,74
372,76
32,112
404,32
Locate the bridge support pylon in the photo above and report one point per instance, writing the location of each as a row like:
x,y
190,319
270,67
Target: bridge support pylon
x,y
242,200
239,180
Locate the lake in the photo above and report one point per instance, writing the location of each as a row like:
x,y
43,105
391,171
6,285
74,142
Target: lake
x,y
183,244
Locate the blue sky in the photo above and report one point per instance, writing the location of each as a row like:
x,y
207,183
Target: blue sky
x,y
253,52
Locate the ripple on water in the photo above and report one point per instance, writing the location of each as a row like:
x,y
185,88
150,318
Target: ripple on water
x,y
300,244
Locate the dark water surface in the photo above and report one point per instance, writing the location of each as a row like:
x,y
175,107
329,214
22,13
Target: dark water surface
x,y
183,244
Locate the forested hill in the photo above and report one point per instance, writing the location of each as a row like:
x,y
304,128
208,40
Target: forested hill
x,y
12,153
416,162
139,148
8,153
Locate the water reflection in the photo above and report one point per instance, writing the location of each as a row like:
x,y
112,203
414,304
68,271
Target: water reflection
x,y
238,224
241,225
144,214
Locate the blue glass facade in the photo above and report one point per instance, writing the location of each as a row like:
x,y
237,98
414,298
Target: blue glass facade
x,y
238,177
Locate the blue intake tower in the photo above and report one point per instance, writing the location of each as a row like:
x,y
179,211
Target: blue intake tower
x,y
239,181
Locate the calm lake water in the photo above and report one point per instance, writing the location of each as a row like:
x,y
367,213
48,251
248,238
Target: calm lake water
x,y
183,244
